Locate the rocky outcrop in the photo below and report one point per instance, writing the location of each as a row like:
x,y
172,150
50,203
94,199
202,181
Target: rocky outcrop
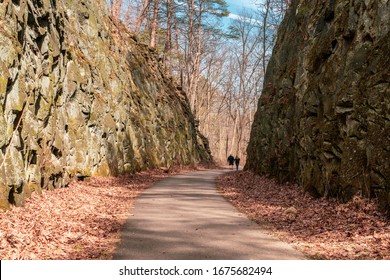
x,y
324,115
80,97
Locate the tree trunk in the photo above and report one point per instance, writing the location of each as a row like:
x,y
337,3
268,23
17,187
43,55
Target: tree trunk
x,y
153,33
168,39
194,51
141,16
265,44
115,9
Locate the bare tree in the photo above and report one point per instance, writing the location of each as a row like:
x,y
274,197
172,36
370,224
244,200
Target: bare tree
x,y
115,8
200,30
123,10
154,26
142,14
221,76
234,75
168,37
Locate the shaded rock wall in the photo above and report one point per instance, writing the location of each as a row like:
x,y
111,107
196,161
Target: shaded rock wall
x,y
323,119
80,97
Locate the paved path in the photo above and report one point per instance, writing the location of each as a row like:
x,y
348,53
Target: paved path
x,y
185,218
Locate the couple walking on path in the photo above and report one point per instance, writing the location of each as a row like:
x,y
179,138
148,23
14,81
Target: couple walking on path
x,y
233,160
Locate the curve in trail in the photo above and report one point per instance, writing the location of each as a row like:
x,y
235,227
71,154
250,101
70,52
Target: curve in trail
x,y
185,218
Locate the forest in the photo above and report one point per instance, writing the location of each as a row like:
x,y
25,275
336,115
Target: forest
x,y
219,61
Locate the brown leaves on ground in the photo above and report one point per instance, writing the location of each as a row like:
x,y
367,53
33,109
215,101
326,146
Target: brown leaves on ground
x,y
320,228
81,221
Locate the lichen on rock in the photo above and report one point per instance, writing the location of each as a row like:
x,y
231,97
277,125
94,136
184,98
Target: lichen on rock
x,y
328,126
80,97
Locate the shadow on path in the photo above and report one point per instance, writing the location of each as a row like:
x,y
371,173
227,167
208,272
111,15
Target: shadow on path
x,y
185,218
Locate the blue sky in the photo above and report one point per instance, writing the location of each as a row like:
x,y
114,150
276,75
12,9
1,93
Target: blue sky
x,y
236,5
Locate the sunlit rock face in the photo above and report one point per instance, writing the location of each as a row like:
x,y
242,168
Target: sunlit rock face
x,y
80,97
324,115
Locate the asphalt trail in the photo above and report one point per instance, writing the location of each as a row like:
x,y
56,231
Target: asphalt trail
x,y
185,218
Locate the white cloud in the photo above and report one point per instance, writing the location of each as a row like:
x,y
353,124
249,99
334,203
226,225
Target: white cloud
x,y
234,16
246,19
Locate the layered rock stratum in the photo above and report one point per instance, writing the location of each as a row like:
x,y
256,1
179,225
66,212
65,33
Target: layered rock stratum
x,y
81,97
323,119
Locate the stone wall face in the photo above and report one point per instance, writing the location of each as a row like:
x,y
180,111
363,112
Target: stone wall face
x,y
324,115
80,97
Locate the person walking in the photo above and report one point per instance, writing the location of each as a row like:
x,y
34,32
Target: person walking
x,y
230,160
237,161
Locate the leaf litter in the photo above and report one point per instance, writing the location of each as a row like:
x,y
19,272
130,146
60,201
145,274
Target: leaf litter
x,y
321,228
81,221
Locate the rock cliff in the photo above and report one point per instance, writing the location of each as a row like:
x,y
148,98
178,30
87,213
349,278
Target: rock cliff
x,y
80,97
323,119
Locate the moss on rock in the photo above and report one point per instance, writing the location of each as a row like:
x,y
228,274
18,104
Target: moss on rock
x,y
83,98
333,134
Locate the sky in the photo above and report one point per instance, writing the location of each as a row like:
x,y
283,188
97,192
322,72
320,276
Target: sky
x,y
235,6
